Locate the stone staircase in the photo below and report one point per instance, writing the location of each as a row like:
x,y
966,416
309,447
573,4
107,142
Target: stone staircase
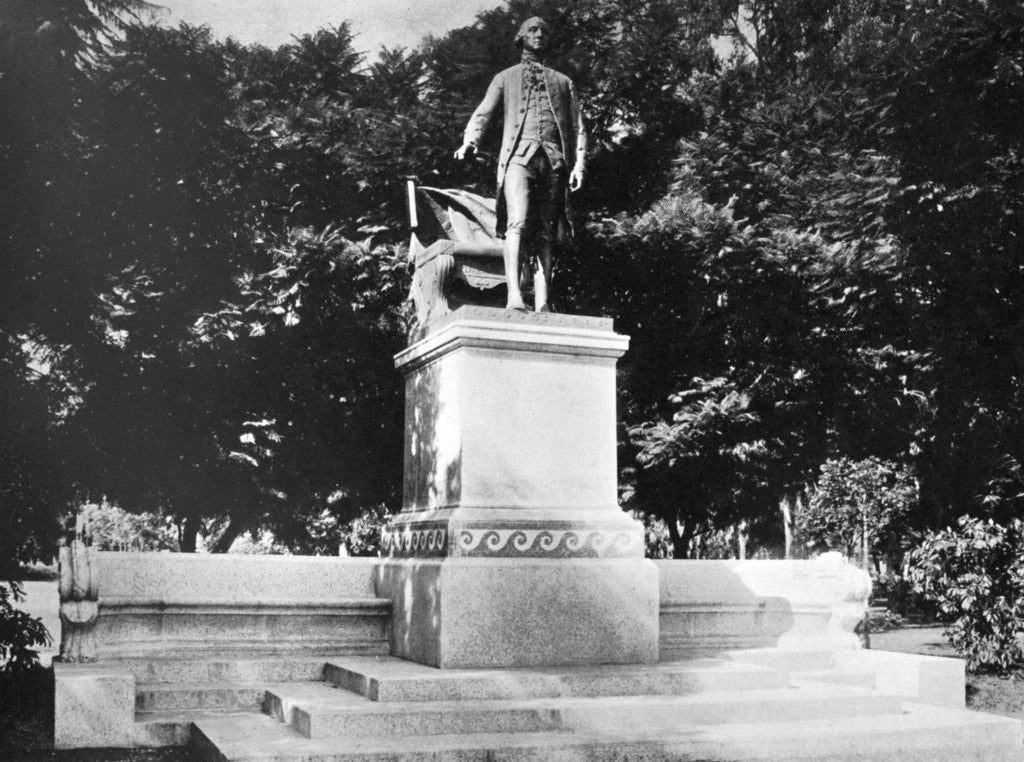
x,y
173,692
753,705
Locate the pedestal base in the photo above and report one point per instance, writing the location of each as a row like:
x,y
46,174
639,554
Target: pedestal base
x,y
492,612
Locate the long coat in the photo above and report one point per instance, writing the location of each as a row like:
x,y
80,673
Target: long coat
x,y
508,90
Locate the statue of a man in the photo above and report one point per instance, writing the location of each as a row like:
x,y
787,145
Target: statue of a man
x,y
543,153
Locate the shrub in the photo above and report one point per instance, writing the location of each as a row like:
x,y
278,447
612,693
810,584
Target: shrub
x,y
361,536
258,544
975,574
657,543
20,633
113,528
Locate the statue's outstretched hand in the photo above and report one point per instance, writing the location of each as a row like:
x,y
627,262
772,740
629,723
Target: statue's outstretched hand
x,y
575,180
465,150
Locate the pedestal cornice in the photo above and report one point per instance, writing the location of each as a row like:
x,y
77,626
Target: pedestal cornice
x,y
510,330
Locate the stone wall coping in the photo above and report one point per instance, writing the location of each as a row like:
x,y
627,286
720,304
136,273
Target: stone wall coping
x,y
234,603
761,603
238,558
826,579
194,577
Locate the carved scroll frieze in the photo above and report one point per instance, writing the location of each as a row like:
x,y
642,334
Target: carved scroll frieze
x,y
405,541
547,543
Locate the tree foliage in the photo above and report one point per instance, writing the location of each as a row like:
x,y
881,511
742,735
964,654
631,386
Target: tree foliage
x,y
21,634
856,128
694,468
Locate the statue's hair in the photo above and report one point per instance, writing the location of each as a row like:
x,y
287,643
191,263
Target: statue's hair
x,y
522,29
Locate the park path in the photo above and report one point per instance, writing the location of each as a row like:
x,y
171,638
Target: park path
x,y
42,600
913,639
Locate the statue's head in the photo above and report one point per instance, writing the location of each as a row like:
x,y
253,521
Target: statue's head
x,y
533,35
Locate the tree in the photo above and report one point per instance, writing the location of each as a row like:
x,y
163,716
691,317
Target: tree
x,y
46,297
203,277
703,469
959,215
859,507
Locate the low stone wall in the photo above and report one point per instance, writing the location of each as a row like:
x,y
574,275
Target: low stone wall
x,y
711,606
159,603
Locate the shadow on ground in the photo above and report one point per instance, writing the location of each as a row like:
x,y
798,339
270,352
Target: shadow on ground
x,y
26,727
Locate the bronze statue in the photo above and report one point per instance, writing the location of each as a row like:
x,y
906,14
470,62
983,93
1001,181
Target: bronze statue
x,y
543,155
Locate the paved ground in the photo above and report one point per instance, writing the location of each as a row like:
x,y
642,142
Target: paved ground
x,y
42,600
913,639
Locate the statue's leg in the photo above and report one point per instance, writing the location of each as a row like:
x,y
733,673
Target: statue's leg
x,y
542,274
554,190
517,201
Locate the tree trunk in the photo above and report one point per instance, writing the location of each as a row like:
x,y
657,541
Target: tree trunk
x,y
686,539
865,636
228,536
681,535
787,524
679,550
741,540
188,534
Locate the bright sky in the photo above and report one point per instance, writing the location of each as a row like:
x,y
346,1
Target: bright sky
x,y
394,23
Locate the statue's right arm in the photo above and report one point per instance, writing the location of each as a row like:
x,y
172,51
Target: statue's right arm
x,y
481,119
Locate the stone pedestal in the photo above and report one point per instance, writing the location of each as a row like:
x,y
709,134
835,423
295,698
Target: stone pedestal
x,y
511,549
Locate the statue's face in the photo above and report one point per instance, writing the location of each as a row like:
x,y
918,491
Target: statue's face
x,y
535,35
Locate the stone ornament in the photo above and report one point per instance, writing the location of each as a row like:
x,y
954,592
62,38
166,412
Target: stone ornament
x,y
418,542
79,596
455,253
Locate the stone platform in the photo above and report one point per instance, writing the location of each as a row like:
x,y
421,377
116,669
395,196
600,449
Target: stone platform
x,y
706,709
772,671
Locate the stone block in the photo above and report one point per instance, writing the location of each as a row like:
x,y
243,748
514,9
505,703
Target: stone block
x,y
232,577
94,707
932,680
467,612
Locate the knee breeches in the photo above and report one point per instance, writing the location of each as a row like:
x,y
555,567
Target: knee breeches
x,y
534,194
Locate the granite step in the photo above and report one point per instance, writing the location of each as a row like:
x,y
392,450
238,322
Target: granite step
x,y
154,697
835,676
244,667
787,660
391,679
918,734
170,728
316,710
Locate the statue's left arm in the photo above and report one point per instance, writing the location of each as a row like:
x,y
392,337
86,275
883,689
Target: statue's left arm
x,y
580,166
